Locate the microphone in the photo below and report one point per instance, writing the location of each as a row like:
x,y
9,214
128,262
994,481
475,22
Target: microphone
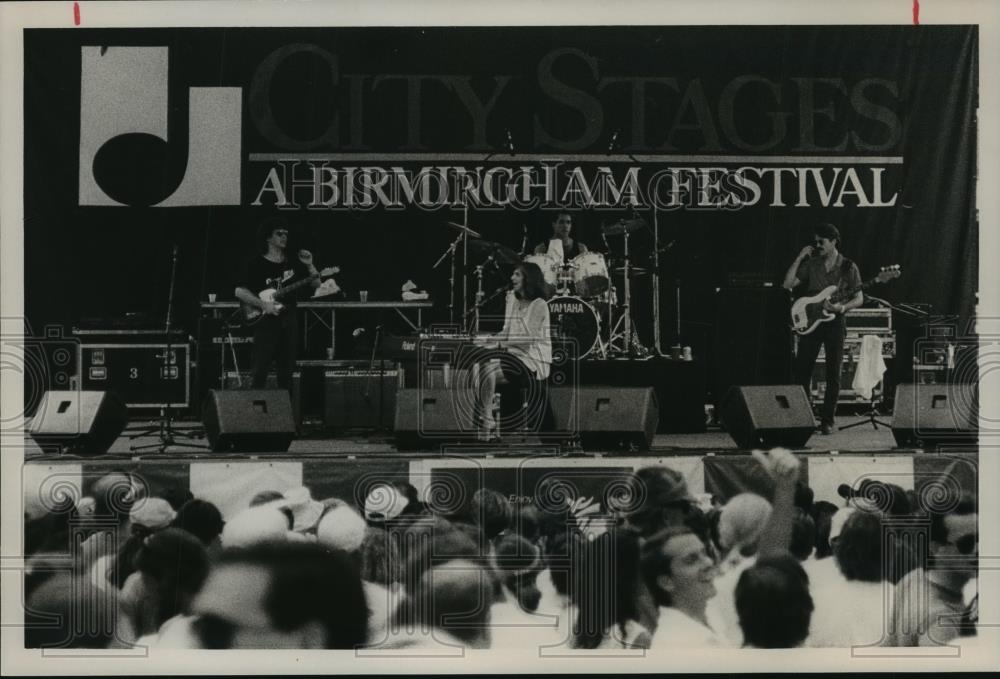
x,y
614,138
524,239
510,141
358,332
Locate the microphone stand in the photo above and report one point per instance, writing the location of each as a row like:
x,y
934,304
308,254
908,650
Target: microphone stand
x,y
227,325
168,435
481,299
381,375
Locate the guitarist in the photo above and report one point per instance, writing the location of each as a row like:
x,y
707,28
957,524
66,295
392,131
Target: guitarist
x,y
275,337
818,266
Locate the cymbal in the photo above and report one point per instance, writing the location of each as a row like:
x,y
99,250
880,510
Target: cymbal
x,y
632,270
501,253
461,228
623,226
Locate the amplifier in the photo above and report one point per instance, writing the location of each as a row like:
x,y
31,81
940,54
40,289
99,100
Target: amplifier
x,y
142,375
360,398
847,395
868,320
852,346
221,350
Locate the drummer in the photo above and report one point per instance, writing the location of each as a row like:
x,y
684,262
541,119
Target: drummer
x,y
561,243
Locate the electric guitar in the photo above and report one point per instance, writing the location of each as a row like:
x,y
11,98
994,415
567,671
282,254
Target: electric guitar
x,y
252,314
809,312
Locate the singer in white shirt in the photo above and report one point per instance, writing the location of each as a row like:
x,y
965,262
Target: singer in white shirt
x,y
521,358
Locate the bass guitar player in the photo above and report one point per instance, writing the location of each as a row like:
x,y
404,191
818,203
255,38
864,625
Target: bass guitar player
x,y
817,267
275,337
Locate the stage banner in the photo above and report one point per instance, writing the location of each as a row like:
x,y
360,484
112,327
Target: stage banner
x,y
588,486
448,482
232,485
350,480
729,475
729,142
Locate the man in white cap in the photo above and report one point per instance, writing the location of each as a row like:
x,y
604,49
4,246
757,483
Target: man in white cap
x,y
342,528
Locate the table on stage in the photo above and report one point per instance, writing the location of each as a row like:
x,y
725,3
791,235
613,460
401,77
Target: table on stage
x,y
325,313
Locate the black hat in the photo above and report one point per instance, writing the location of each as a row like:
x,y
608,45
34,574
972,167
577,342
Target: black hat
x,y
887,497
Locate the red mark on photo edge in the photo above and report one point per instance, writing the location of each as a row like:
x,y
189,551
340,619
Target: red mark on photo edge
x,y
916,12
76,14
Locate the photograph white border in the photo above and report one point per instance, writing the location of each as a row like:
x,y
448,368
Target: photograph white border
x,y
14,17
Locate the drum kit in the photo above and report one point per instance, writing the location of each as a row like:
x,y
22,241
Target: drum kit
x,y
589,296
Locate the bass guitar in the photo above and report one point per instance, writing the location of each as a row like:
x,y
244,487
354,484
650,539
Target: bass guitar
x,y
809,312
252,314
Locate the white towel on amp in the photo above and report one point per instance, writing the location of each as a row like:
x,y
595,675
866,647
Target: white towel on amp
x,y
870,366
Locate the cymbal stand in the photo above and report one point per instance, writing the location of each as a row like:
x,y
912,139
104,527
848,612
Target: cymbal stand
x,y
465,257
480,295
450,252
656,284
622,330
627,315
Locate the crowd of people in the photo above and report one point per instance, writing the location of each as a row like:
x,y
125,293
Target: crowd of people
x,y
661,570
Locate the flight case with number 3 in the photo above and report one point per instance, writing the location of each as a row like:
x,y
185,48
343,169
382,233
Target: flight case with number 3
x,y
138,373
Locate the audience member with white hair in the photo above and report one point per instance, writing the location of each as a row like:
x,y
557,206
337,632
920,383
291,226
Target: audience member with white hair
x,y
742,521
264,523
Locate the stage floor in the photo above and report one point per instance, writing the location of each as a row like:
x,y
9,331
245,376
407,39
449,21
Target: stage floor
x,y
317,443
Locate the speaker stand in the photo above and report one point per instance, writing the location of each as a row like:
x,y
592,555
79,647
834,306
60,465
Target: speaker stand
x,y
870,417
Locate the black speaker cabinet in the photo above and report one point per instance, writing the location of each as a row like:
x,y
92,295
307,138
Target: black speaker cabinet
x,y
753,341
360,398
768,416
607,418
430,417
249,421
82,422
927,415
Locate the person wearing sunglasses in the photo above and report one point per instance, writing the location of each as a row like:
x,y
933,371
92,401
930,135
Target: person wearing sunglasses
x,y
275,337
930,607
817,267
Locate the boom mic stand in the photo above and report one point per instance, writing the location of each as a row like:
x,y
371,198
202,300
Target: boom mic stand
x,y
168,435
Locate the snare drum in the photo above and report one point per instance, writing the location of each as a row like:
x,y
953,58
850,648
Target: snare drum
x,y
590,275
571,318
565,283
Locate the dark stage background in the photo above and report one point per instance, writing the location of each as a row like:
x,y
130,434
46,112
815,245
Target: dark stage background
x,y
565,94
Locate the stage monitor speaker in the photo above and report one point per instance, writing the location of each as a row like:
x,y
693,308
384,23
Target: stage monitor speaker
x,y
82,422
768,416
607,418
249,421
928,415
431,417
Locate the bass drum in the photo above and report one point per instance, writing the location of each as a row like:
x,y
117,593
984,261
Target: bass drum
x,y
571,318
